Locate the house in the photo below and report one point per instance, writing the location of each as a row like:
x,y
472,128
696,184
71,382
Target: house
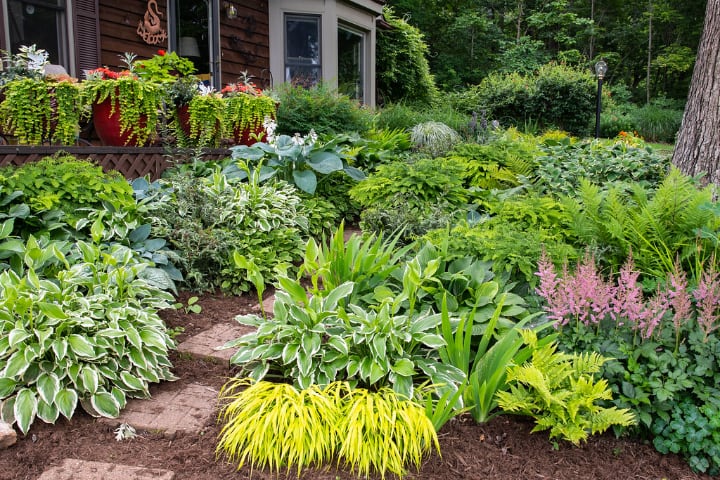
x,y
275,41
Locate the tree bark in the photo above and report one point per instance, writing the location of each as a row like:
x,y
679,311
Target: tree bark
x,y
697,150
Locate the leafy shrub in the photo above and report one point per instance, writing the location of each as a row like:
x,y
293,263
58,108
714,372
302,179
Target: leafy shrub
x,y
319,108
316,425
498,164
206,220
410,223
563,166
657,122
506,97
558,390
66,183
79,324
403,72
434,138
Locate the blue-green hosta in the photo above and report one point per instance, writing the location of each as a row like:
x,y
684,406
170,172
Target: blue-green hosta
x,y
79,324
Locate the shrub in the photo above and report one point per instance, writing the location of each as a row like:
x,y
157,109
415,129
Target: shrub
x,y
403,72
434,138
206,220
657,122
321,109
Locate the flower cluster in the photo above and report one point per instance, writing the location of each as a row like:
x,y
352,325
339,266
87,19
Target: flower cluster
x,y
585,297
104,73
240,88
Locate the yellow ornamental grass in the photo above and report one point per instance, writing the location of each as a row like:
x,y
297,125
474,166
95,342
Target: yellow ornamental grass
x,y
274,426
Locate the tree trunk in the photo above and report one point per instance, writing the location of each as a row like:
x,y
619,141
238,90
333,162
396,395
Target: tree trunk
x,y
698,144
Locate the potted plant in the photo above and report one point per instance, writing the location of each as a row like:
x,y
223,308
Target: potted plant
x,y
125,105
35,107
246,107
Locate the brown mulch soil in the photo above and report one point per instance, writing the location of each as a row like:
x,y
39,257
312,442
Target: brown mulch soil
x,y
503,449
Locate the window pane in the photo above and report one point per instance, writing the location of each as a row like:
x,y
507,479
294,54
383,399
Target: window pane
x,y
37,24
192,34
302,40
350,63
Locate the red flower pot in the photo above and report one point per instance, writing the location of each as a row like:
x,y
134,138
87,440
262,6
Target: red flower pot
x,y
245,136
107,125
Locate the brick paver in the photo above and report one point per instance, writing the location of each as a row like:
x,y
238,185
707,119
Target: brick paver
x,y
204,343
73,469
185,410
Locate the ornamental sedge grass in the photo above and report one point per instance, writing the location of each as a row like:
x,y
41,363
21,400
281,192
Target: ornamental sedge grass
x,y
275,425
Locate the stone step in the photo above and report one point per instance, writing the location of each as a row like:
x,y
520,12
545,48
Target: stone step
x,y
185,410
8,436
204,344
74,469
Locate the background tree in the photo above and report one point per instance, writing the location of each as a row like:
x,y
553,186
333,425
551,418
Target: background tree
x,y
697,150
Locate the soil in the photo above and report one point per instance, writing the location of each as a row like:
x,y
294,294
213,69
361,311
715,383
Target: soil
x,y
502,449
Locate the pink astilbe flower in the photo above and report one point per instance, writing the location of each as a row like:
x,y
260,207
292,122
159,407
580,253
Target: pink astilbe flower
x,y
679,297
628,303
707,295
653,313
548,277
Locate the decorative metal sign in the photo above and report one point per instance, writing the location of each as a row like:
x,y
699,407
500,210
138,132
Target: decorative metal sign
x,y
149,27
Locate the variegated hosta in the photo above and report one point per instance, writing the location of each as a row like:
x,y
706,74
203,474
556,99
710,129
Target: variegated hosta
x,y
313,341
86,333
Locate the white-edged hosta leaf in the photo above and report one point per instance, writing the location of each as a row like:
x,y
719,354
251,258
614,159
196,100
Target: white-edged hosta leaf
x,y
52,310
17,335
48,385
432,340
7,410
66,401
404,367
47,412
137,357
133,337
105,404
90,379
60,347
81,346
152,337
25,409
148,375
7,386
16,364
120,397
131,381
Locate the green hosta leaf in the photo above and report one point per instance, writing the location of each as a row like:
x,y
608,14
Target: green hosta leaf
x,y
131,381
105,404
120,397
17,335
153,338
16,364
60,347
47,412
304,362
404,367
137,357
66,401
148,375
52,310
339,344
336,294
133,337
140,234
89,379
376,372
6,227
48,385
7,410
311,343
425,323
355,173
290,352
80,346
25,409
305,180
294,289
11,246
379,347
432,340
7,387
325,162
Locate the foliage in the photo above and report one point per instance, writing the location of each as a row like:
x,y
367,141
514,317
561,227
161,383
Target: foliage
x,y
78,324
675,220
38,111
376,147
246,107
29,62
296,160
497,164
657,121
68,184
434,138
403,72
368,262
137,100
207,219
563,166
559,391
321,109
164,67
410,223
322,214
403,116
205,117
370,431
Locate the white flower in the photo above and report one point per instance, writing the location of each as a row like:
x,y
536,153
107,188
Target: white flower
x,y
205,89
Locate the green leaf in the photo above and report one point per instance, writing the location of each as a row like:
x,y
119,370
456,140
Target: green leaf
x,y
294,289
48,385
311,343
52,310
140,234
7,227
304,362
16,364
432,341
105,404
90,379
17,335
355,173
7,410
7,386
47,412
305,180
66,401
80,346
325,162
336,294
25,409
131,381
404,367
60,347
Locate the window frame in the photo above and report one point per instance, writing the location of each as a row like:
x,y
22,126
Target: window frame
x,y
288,63
63,9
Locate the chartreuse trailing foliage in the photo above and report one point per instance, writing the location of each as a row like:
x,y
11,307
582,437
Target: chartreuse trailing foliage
x,y
369,431
78,325
559,391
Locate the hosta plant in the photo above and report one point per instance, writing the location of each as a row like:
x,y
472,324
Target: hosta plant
x,y
87,334
370,432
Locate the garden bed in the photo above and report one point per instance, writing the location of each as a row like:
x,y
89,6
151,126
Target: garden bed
x,y
501,449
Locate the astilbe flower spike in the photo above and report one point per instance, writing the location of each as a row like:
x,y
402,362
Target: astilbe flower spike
x,y
628,303
679,297
707,295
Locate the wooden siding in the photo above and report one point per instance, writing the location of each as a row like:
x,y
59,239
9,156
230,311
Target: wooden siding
x,y
244,43
132,162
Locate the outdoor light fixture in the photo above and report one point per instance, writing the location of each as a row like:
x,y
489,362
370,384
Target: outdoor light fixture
x,y
600,71
230,11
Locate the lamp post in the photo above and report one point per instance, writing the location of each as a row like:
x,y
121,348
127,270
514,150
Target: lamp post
x,y
600,70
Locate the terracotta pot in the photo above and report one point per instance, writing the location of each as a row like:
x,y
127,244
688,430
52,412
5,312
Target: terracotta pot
x,y
107,125
183,115
245,136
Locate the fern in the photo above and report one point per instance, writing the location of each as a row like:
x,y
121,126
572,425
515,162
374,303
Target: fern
x,y
559,391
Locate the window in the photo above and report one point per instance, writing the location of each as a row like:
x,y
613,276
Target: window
x,y
302,50
42,23
351,52
192,35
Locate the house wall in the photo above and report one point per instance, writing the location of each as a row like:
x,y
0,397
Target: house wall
x,y
244,44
